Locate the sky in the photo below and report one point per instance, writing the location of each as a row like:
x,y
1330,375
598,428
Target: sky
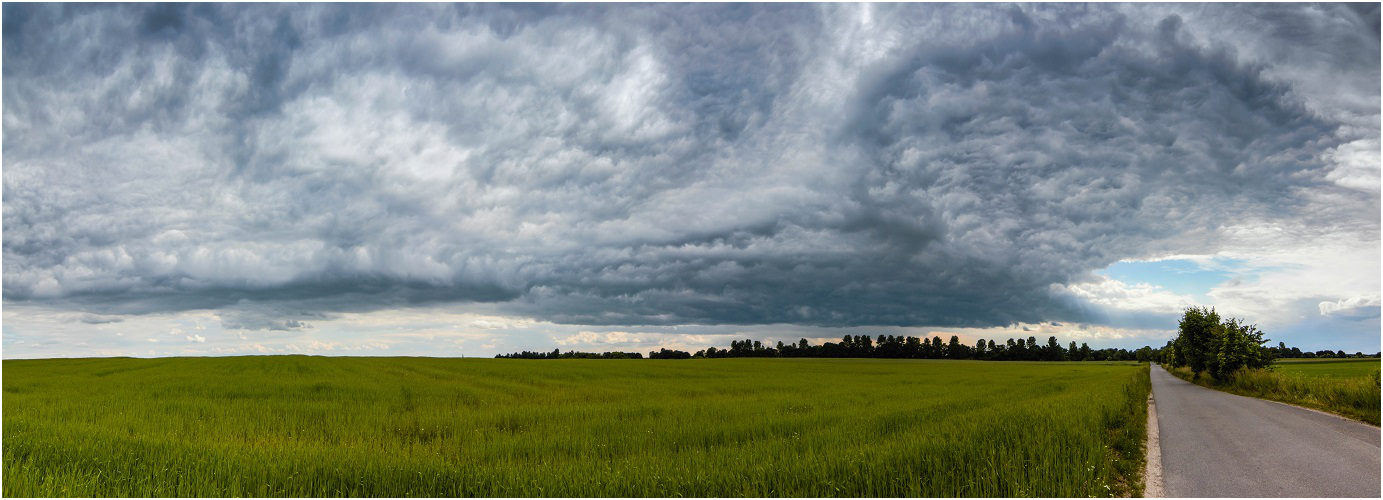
x,y
468,180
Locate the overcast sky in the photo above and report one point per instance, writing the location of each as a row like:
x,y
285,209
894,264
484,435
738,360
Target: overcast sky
x,y
473,179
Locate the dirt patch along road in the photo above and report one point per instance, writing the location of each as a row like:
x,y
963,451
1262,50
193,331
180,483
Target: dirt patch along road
x,y
1216,444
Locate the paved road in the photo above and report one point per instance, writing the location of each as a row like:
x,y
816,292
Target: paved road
x,y
1216,444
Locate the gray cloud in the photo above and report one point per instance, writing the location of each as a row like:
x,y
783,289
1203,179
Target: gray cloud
x,y
93,319
281,315
939,165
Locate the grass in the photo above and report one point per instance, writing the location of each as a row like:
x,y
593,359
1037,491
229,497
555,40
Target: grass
x,y
1349,388
1332,368
293,426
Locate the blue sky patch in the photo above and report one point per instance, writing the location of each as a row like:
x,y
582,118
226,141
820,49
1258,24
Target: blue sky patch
x,y
1177,276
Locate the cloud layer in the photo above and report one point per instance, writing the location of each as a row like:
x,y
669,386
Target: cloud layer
x,y
835,165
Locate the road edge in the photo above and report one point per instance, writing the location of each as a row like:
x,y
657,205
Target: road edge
x,y
1152,472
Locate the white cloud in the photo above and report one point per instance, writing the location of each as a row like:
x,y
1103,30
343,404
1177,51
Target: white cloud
x,y
1349,305
1115,294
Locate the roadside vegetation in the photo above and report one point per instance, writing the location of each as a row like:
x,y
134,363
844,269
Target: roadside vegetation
x,y
298,426
1229,355
1356,397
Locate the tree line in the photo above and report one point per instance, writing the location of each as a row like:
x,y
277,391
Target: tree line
x,y
1202,335
908,347
1284,352
882,346
558,354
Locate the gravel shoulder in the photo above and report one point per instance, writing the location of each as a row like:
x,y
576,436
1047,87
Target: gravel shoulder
x,y
1152,472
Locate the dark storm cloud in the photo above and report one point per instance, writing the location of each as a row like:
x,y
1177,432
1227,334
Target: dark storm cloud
x,y
719,164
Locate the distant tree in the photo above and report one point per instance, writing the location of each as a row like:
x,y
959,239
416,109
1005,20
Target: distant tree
x,y
953,348
1144,353
912,347
1054,352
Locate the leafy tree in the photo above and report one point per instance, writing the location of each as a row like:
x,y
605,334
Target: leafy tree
x,y
1196,337
1219,347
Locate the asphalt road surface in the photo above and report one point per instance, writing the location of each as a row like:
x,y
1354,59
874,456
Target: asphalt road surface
x,y
1216,444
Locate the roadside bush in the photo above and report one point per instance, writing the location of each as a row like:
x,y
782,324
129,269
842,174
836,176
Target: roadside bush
x,y
1218,347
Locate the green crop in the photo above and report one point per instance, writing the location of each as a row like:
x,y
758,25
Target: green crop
x,y
309,426
1332,368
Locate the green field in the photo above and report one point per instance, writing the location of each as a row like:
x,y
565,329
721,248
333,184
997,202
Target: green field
x,y
312,426
1329,368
